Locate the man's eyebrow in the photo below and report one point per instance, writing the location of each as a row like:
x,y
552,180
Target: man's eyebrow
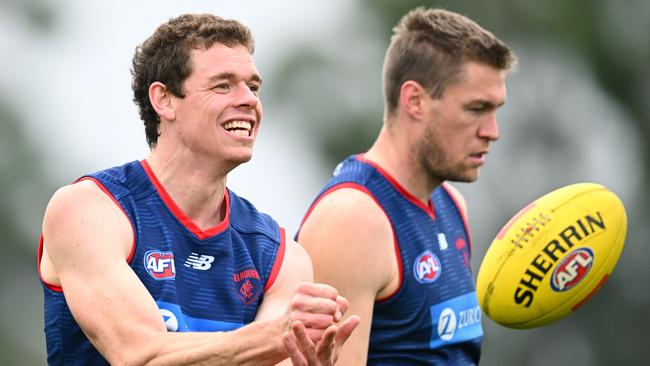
x,y
487,102
231,76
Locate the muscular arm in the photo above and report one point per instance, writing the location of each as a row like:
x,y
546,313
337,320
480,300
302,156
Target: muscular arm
x,y
351,244
86,242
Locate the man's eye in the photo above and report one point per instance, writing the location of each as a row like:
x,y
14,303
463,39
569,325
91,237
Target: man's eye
x,y
254,88
478,108
222,87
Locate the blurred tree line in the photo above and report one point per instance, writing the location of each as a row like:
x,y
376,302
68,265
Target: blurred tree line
x,y
24,191
613,37
334,90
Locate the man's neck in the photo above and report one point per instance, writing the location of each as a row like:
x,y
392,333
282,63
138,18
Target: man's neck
x,y
196,187
394,155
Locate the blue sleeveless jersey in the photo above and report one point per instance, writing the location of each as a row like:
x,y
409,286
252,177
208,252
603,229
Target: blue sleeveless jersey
x,y
202,281
434,317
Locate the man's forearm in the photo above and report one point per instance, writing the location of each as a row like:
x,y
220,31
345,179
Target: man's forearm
x,y
258,343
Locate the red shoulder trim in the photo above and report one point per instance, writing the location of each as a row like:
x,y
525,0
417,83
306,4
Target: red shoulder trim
x,y
463,214
58,288
109,194
279,259
39,256
395,241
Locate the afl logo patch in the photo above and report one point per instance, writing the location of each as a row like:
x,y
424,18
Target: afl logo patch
x,y
426,267
160,265
572,269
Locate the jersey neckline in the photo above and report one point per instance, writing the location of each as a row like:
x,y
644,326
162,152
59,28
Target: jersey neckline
x,y
428,209
180,215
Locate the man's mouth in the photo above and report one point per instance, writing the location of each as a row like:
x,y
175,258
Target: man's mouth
x,y
239,128
479,158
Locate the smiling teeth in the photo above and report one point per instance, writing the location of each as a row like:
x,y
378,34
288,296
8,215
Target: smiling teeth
x,y
240,132
239,128
237,124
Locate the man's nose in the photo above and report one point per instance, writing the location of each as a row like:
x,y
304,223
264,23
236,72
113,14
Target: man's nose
x,y
245,97
489,128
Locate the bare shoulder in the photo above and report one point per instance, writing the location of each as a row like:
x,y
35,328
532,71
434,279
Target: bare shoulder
x,y
82,205
348,232
348,208
350,239
297,262
76,196
293,267
81,219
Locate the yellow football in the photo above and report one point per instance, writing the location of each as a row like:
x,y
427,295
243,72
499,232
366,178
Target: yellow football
x,y
552,256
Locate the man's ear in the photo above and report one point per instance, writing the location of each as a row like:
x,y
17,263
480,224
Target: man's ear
x,y
411,99
161,100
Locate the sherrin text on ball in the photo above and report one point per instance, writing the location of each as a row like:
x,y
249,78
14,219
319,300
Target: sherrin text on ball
x,y
552,256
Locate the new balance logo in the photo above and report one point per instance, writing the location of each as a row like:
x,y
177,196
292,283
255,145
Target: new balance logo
x,y
203,262
442,241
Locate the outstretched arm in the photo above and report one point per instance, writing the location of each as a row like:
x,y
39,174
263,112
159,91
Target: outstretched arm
x,y
86,242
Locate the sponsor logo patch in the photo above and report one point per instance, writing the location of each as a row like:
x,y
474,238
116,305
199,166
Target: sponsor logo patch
x,y
572,269
247,285
442,241
178,321
201,262
427,267
455,320
171,322
160,265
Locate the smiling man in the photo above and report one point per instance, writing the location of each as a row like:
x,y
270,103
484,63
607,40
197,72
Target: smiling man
x,y
156,261
388,230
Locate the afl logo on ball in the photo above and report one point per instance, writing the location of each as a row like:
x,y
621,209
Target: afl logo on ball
x,y
427,267
572,269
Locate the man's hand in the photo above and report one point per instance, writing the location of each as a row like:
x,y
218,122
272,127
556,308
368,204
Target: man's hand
x,y
317,307
302,350
312,337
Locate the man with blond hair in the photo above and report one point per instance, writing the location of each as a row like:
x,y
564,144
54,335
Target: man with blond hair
x,y
388,230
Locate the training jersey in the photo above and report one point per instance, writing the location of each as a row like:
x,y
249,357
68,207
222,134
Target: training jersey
x,y
434,317
202,281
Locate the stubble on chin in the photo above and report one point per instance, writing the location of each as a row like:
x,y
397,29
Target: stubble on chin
x,y
438,169
461,173
430,160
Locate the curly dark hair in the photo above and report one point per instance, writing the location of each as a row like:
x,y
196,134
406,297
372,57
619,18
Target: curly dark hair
x,y
165,57
429,46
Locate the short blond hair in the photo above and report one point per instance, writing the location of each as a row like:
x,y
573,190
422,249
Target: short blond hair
x,y
429,46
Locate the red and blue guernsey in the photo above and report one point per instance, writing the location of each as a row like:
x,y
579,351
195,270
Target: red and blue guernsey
x,y
434,317
202,281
